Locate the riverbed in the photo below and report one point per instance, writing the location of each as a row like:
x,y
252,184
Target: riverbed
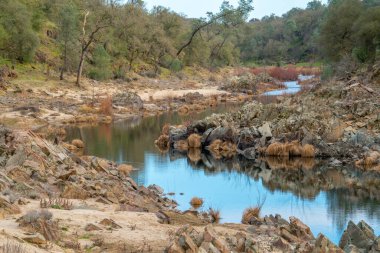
x,y
223,185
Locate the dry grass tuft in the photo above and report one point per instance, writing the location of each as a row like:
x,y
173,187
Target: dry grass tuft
x,y
41,222
125,169
251,213
162,142
294,148
106,106
184,109
56,204
215,215
369,161
78,143
196,202
181,145
194,141
276,149
221,149
284,74
194,155
308,151
13,247
165,129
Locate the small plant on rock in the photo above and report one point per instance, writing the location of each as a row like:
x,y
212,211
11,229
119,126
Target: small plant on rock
x,y
214,215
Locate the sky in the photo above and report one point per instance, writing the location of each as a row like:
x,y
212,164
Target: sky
x,y
198,8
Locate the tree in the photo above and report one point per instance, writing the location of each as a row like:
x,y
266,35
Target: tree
x,y
367,35
101,69
336,37
68,32
228,17
96,18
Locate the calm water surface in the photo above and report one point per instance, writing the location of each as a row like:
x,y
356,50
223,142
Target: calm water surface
x,y
224,187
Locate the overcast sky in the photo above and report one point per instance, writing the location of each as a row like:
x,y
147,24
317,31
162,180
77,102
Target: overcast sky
x,y
198,8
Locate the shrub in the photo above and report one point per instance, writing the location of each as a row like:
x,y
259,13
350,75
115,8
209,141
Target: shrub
x,y
194,141
284,74
176,65
41,222
101,70
308,151
56,204
106,106
196,202
249,214
214,215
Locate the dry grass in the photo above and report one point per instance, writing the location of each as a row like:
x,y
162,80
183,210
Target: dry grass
x,y
162,142
184,109
181,145
221,149
276,149
308,151
214,215
249,214
284,74
13,247
77,143
196,202
41,222
292,149
125,169
194,141
165,129
253,213
106,106
369,161
56,204
194,155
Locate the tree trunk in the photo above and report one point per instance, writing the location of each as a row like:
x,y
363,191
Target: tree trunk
x,y
80,68
64,67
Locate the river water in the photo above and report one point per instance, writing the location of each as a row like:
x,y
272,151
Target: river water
x,y
223,185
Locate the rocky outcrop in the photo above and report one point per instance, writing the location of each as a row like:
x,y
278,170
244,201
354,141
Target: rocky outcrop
x,y
359,238
33,167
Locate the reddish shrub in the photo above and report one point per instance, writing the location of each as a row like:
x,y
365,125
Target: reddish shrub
x,y
284,74
106,106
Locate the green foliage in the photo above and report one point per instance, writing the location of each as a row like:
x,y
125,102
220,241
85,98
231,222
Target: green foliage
x,y
17,37
101,69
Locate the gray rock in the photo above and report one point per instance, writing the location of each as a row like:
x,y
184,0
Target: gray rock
x,y
265,130
362,138
356,236
177,133
128,99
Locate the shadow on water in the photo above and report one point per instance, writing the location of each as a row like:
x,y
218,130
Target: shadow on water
x,y
324,198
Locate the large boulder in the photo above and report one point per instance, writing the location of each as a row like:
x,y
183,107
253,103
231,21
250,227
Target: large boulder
x,y
128,99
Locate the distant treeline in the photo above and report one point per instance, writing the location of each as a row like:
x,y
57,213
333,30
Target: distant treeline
x,y
107,38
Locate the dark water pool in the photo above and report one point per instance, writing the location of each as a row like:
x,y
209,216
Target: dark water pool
x,y
230,186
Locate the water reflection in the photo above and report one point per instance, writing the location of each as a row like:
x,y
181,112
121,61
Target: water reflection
x,y
324,198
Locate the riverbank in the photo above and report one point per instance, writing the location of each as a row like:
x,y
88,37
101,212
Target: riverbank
x,y
29,101
55,201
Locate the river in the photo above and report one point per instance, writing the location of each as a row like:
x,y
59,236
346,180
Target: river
x,y
223,185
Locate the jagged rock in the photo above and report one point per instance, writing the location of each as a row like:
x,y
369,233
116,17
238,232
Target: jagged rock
x,y
91,227
324,245
354,234
157,189
175,248
128,99
282,244
300,229
109,223
177,133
